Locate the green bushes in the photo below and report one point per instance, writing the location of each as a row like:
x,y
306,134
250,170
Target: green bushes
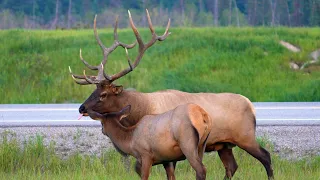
x,y
249,61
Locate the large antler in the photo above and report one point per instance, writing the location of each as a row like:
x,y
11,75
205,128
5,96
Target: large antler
x,y
142,46
82,79
102,76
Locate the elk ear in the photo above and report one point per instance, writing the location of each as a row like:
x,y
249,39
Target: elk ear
x,y
96,116
117,89
125,112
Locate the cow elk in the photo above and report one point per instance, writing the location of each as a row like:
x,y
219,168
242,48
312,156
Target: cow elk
x,y
233,115
159,139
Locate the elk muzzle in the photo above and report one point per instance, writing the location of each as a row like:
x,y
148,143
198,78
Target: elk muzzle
x,y
83,110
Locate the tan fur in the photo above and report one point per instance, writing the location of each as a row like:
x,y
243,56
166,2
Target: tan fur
x,y
232,115
163,138
200,121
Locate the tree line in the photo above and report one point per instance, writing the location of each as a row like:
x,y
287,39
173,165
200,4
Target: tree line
x,y
66,14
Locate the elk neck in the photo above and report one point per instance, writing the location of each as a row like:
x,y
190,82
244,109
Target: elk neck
x,y
120,136
140,106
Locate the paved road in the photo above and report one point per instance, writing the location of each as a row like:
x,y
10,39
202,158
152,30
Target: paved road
x,y
15,115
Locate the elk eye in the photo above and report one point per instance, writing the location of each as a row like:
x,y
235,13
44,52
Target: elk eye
x,y
102,96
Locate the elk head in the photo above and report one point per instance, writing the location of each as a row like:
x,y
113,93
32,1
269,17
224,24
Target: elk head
x,y
102,100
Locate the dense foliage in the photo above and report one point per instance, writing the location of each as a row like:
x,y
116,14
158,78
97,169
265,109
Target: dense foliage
x,y
79,13
249,61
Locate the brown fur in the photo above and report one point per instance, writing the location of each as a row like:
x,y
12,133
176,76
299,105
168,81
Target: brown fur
x,y
233,118
159,139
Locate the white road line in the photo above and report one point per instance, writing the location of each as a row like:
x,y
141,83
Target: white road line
x,y
90,120
76,109
66,120
37,109
289,119
288,108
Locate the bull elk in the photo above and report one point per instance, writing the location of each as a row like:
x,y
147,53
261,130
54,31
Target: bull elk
x,y
159,139
233,115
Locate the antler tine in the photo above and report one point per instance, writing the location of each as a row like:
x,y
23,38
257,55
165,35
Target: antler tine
x,y
166,32
115,33
116,43
142,47
125,71
155,37
90,81
105,51
81,82
129,61
116,39
80,79
128,46
136,32
150,22
96,34
87,64
102,75
75,76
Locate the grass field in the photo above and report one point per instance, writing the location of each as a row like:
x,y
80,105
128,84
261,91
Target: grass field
x,y
250,61
36,161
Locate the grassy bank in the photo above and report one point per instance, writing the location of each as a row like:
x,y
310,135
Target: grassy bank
x,y
36,161
250,61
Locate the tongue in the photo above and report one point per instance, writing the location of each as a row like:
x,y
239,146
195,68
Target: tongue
x,y
81,115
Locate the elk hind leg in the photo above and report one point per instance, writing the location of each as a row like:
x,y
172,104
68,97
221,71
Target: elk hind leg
x,y
261,154
195,162
228,161
190,148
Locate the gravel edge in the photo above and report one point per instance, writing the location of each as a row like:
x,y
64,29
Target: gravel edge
x,y
290,142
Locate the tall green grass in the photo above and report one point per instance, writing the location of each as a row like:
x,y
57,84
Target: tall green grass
x,y
250,61
36,161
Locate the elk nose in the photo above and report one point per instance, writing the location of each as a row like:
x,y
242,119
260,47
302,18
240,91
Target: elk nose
x,y
82,109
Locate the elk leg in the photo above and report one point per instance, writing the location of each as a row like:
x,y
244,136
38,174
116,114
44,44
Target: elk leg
x,y
228,161
261,154
138,168
196,164
190,148
170,167
145,168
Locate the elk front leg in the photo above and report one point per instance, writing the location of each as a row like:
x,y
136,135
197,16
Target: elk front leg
x,y
138,168
146,165
170,167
